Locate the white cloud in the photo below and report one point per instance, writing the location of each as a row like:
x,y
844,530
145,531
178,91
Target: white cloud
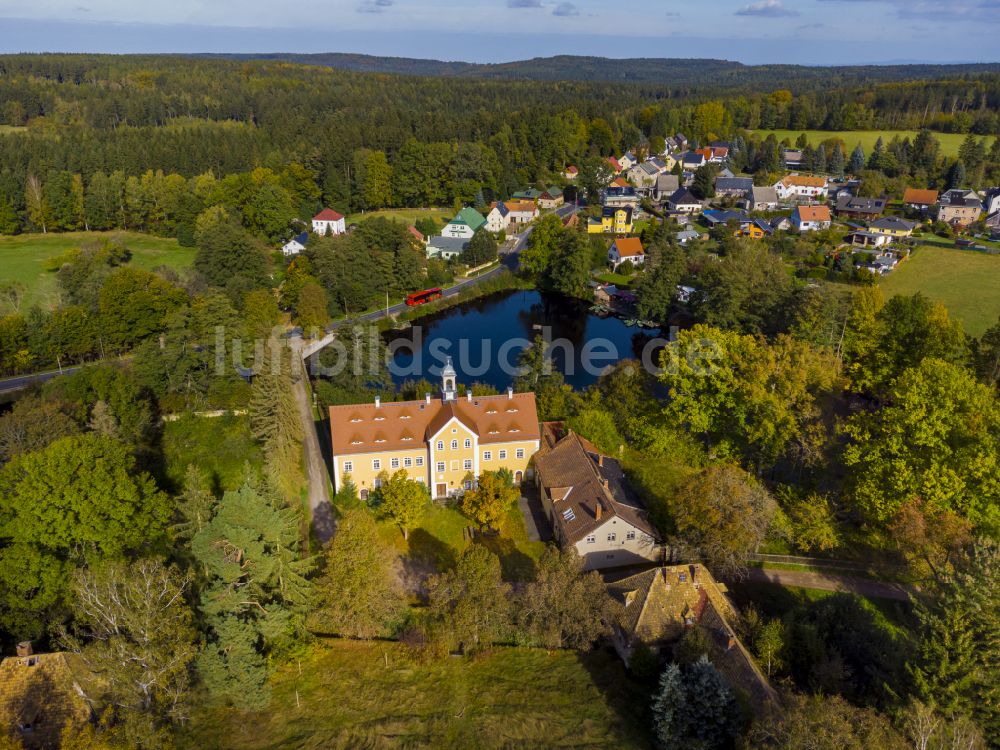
x,y
769,8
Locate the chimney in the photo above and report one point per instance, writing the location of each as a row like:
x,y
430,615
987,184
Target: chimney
x,y
510,391
598,511
730,641
600,459
24,649
427,398
468,395
378,401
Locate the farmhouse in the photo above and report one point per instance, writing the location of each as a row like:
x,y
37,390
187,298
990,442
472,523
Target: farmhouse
x,y
591,508
626,249
796,187
328,222
443,442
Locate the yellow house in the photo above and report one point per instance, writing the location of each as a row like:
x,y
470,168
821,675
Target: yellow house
x,y
892,227
444,442
612,221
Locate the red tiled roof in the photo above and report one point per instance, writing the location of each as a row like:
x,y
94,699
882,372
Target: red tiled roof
x,y
629,247
814,213
328,214
920,197
416,233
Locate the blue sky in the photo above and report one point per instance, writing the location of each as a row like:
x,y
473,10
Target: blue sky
x,y
752,31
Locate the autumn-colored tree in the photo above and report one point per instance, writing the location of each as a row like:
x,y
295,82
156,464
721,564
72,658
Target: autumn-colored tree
x,y
490,501
402,499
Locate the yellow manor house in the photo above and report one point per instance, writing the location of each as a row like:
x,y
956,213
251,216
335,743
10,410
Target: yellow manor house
x,y
438,441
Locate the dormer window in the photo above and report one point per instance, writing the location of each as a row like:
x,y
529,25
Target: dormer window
x,y
404,416
512,409
355,419
379,418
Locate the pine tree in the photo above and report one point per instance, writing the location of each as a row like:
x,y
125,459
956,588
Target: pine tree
x,y
835,163
195,505
694,707
857,162
875,160
956,175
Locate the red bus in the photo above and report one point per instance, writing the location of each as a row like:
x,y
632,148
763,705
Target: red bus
x,y
420,298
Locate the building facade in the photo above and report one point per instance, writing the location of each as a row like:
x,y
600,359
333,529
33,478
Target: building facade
x,y
328,222
445,442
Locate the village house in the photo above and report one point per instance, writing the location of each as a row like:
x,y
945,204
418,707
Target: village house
x,y
761,199
991,207
444,443
864,238
733,187
744,225
626,249
619,197
780,224
666,185
590,506
627,161
960,208
612,220
854,207
811,218
683,201
328,222
692,160
615,166
464,225
498,217
571,173
295,245
657,607
528,194
417,234
792,158
892,227
445,248
521,212
551,197
42,696
643,176
800,188
920,200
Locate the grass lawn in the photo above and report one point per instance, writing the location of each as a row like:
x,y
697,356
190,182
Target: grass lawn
x,y
966,281
219,447
409,215
950,142
441,537
348,694
23,258
617,279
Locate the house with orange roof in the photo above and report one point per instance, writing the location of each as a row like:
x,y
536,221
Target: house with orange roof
x,y
328,222
811,218
444,442
614,164
801,188
919,199
626,249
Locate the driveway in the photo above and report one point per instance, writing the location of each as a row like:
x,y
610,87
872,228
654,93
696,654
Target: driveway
x,y
320,507
535,520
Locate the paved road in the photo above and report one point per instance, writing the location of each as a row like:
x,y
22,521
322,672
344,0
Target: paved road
x,y
23,381
829,582
319,479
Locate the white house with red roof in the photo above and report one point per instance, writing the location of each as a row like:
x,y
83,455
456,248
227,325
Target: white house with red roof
x,y
328,222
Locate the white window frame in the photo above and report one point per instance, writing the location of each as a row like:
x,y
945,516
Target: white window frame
x,y
630,535
487,455
612,536
376,464
454,445
407,462
467,464
502,455
591,539
468,443
393,463
519,453
440,466
420,460
440,445
348,467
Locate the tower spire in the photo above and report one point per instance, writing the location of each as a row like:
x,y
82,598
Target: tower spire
x,y
448,376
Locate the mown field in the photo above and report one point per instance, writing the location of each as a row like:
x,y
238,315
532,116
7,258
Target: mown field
x,y
409,215
950,142
967,282
23,258
348,694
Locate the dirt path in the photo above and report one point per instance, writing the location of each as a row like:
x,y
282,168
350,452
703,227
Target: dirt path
x,y
319,478
829,582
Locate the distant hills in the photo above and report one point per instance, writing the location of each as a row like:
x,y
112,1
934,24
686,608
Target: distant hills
x,y
674,72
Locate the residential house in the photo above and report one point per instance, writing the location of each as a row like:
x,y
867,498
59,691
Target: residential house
x,y
626,249
687,235
590,505
498,217
627,161
692,160
920,200
811,218
619,182
761,199
571,220
521,212
417,234
662,165
43,697
726,172
792,158
666,185
328,222
615,166
854,207
780,224
959,207
801,188
618,197
295,245
445,248
444,443
892,227
464,225
657,607
551,197
744,225
882,263
643,175
683,201
991,207
733,187
613,220
571,173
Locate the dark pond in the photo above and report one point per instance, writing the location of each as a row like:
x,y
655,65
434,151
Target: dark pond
x,y
485,336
